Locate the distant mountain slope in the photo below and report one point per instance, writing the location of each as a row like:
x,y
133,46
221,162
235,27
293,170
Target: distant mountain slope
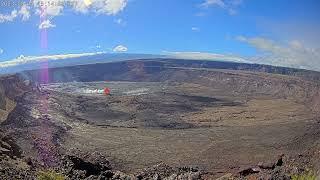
x,y
41,62
116,70
306,74
166,61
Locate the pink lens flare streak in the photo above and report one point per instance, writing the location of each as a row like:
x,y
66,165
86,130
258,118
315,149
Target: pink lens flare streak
x,y
44,47
43,141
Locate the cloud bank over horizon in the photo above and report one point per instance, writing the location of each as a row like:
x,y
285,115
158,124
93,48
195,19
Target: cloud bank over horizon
x,y
258,42
290,54
33,59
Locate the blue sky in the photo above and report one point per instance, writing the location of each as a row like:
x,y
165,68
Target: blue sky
x,y
277,32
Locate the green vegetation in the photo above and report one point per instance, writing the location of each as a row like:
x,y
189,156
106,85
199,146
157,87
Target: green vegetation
x,y
49,175
310,175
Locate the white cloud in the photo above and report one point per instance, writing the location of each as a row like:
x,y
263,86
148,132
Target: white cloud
x,y
31,59
8,17
107,7
120,21
232,11
120,48
111,7
229,5
82,6
49,8
25,12
46,24
196,29
208,3
204,56
52,8
290,54
1,51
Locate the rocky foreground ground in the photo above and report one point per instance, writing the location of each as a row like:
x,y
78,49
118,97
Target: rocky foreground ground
x,y
76,164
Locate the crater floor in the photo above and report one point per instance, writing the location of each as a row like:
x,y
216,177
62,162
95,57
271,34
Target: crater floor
x,y
180,124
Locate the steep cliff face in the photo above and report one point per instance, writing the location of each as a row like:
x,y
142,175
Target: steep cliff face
x,y
251,84
2,100
10,88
